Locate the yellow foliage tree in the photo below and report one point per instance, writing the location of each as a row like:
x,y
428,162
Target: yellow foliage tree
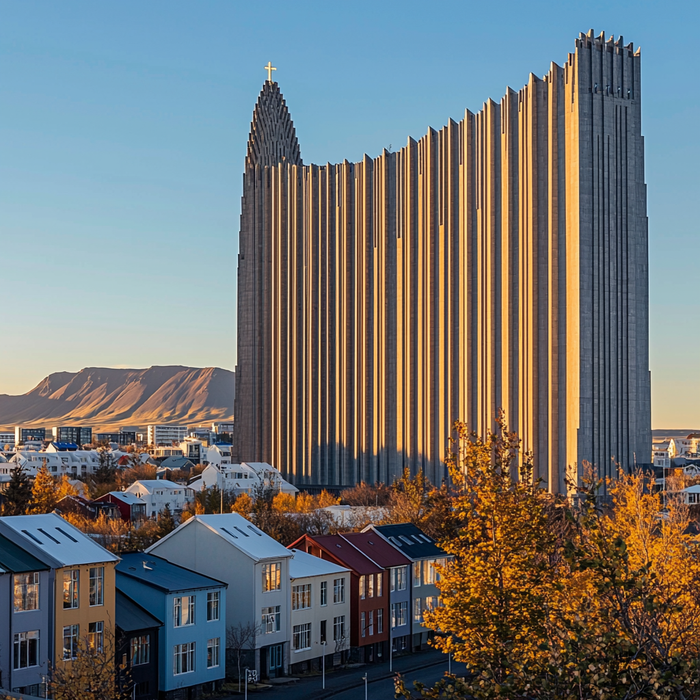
x,y
326,499
45,495
243,505
284,503
305,503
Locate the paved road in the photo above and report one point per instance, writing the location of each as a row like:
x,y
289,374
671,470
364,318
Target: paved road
x,y
347,684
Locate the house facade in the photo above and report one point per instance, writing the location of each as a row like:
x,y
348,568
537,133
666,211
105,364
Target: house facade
x,y
157,493
320,612
192,607
26,620
255,567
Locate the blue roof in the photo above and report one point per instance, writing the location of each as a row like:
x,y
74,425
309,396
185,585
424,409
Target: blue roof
x,y
130,616
410,540
65,445
222,444
15,559
160,573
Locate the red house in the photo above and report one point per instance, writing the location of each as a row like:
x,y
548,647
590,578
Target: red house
x,y
369,604
131,508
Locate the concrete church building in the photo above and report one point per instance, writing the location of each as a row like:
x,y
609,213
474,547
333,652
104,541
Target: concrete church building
x,y
498,262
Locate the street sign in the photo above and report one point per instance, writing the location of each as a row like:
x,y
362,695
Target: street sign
x,y
252,676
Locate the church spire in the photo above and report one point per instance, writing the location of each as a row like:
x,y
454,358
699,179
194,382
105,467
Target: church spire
x,y
272,136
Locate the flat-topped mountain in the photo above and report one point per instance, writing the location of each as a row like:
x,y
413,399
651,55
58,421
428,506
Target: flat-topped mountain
x,y
108,398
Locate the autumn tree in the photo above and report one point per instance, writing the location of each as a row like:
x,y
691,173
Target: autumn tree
x,y
91,674
243,505
18,493
107,468
326,499
240,639
364,494
165,522
45,494
284,503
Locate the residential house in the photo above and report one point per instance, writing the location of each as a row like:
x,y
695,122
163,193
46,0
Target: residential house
x,y
397,582
243,478
320,612
255,567
81,580
426,557
137,647
157,493
26,620
663,452
369,602
218,454
192,608
131,507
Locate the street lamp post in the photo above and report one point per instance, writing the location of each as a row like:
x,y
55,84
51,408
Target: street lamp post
x,y
449,663
364,678
391,655
246,684
323,665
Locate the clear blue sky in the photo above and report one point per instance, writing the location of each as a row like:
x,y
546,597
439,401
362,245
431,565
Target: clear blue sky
x,y
122,135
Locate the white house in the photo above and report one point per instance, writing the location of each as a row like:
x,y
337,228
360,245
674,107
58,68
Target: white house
x,y
663,453
157,493
229,548
320,611
244,478
218,454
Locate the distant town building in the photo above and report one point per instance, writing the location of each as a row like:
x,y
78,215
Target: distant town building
x,y
222,427
23,435
663,452
243,478
157,493
7,439
166,434
121,438
77,434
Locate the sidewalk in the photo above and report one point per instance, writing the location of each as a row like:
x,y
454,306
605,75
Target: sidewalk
x,y
310,688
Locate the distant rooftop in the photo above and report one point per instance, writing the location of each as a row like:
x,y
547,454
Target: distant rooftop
x,y
305,564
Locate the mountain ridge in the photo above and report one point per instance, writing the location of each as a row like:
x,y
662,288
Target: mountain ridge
x,y
108,398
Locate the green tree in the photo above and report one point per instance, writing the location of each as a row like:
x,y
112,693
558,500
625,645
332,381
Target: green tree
x,y
45,493
165,522
107,468
18,493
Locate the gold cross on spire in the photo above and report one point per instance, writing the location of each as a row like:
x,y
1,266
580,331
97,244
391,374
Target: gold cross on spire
x,y
269,68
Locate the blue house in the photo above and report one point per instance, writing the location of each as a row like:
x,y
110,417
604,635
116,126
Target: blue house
x,y
192,640
26,620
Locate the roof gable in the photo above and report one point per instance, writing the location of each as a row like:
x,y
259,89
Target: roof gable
x,y
410,540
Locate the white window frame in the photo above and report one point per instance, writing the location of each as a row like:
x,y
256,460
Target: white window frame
x,y
74,637
71,585
301,596
213,606
338,591
339,628
184,611
97,586
183,652
26,591
24,640
272,577
271,619
301,637
324,593
140,650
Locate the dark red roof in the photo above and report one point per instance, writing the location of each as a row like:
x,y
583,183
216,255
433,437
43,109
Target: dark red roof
x,y
345,552
377,549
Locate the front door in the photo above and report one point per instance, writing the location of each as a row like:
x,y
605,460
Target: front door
x,y
274,661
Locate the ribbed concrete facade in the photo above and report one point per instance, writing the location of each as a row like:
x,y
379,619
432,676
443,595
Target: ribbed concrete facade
x,y
498,262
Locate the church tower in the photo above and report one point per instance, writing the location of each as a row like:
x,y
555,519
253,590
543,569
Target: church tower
x,y
272,142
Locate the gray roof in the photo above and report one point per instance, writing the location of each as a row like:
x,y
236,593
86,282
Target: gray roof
x,y
162,574
13,558
131,617
410,540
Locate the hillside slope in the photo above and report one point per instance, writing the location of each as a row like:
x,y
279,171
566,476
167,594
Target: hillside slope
x,y
108,398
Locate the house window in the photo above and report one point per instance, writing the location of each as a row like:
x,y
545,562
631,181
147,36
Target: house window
x,y
183,611
417,612
96,636
213,652
301,597
301,637
380,577
324,592
213,606
416,574
398,578
71,579
323,631
339,590
431,602
371,623
380,621
183,661
26,649
26,592
339,628
97,583
362,623
272,577
362,587
399,614
370,586
271,619
71,634
141,650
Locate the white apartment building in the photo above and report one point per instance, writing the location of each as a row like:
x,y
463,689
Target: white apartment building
x,y
229,548
320,611
218,454
166,434
75,463
157,493
7,439
222,427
